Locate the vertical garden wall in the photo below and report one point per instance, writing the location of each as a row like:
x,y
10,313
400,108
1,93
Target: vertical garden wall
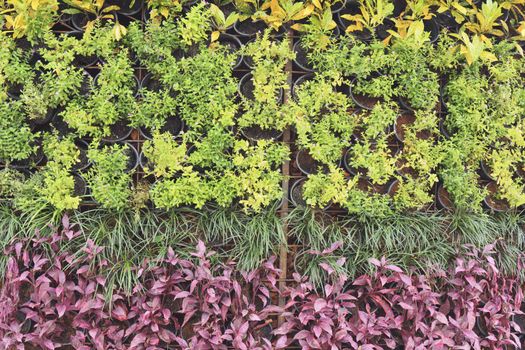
x,y
356,168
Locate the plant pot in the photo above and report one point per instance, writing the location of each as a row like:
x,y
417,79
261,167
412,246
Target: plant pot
x,y
150,83
255,133
309,165
15,90
493,203
35,159
41,122
442,128
80,20
302,79
174,125
382,29
61,126
393,188
133,157
83,160
485,171
80,188
296,193
520,170
432,27
119,132
249,28
404,171
352,8
85,85
301,59
443,198
446,20
246,88
404,119
233,44
337,6
125,8
364,102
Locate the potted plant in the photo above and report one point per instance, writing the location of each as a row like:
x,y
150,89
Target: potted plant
x,y
261,105
59,187
324,124
108,178
16,139
165,157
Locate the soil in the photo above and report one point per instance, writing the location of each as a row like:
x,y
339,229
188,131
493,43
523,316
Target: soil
x,y
399,126
491,201
150,83
393,188
381,189
365,185
34,123
173,125
366,102
61,126
119,131
83,160
382,29
296,193
257,133
520,171
248,28
232,44
300,57
80,186
404,170
15,90
443,198
85,86
308,165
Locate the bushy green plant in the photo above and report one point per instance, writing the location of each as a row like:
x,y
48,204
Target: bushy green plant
x,y
153,109
213,150
321,189
375,124
108,179
193,28
165,156
376,159
58,183
269,78
16,138
111,100
503,165
187,189
322,119
14,67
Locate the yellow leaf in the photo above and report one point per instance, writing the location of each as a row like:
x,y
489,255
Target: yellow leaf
x,y
305,12
215,35
317,4
297,26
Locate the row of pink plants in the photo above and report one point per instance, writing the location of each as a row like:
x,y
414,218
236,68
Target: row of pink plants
x,y
57,301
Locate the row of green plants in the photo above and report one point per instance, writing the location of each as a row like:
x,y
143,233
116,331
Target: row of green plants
x,y
479,19
453,117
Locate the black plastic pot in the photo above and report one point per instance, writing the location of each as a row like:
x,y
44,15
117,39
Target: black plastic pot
x,y
486,172
14,91
496,205
35,159
338,6
233,44
80,185
309,165
60,125
446,20
361,101
297,83
442,128
301,59
83,160
35,124
249,28
432,27
246,88
82,61
150,83
80,20
174,125
133,157
364,35
125,8
255,133
119,132
87,81
443,198
296,193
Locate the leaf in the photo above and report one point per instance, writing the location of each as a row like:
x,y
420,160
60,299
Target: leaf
x,y
215,35
319,304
